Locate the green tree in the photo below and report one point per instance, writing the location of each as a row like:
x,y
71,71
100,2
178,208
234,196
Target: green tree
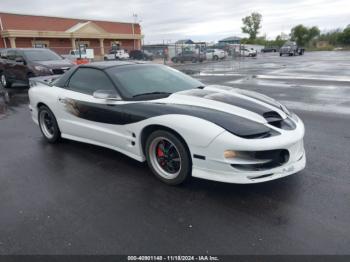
x,y
303,35
251,25
344,37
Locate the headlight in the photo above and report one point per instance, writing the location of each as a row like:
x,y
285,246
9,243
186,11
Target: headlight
x,y
42,69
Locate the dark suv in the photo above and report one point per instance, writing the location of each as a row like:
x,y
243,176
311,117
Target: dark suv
x,y
188,56
20,64
141,55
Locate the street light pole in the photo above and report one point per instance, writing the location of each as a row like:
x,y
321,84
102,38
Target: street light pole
x,y
133,27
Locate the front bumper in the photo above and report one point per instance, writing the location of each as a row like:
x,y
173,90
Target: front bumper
x,y
251,177
215,167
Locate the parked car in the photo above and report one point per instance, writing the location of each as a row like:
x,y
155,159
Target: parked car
x,y
248,52
291,49
180,126
75,54
269,49
120,54
20,64
192,56
141,55
215,54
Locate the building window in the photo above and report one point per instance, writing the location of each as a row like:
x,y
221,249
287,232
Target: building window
x,y
115,45
83,44
40,44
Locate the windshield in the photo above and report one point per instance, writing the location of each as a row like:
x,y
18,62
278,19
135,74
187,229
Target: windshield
x,y
41,55
135,80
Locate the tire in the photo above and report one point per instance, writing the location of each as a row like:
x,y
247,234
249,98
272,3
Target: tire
x,y
175,60
280,54
215,57
171,168
48,125
194,60
4,82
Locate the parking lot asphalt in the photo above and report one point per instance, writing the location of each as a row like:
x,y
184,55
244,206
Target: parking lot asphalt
x,y
74,198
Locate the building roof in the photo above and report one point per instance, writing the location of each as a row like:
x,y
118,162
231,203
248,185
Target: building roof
x,y
184,41
47,23
231,38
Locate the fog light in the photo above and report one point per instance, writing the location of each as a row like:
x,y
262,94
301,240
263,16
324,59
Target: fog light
x,y
230,154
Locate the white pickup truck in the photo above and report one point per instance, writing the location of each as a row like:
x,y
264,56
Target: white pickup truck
x,y
116,55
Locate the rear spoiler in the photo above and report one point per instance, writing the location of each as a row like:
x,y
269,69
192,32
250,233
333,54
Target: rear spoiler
x,y
46,80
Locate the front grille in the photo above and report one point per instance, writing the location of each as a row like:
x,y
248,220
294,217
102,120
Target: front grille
x,y
59,71
275,158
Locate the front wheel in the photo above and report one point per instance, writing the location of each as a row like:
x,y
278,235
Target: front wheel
x,y
48,125
168,157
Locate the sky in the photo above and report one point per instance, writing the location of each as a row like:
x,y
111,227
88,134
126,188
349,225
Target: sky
x,y
199,20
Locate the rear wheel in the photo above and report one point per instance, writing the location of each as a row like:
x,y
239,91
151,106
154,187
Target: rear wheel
x,y
215,58
48,125
4,81
168,157
194,60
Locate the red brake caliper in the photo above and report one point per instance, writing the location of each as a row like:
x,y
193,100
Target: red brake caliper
x,y
160,153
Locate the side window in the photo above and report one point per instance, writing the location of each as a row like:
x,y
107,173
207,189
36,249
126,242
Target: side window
x,y
3,54
89,80
18,54
11,54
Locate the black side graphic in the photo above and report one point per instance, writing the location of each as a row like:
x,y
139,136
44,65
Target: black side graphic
x,y
135,112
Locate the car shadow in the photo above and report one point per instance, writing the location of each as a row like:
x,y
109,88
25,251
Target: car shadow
x,y
262,197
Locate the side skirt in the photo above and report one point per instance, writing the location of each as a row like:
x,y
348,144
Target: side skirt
x,y
88,141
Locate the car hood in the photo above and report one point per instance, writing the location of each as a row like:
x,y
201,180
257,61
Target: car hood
x,y
55,63
246,104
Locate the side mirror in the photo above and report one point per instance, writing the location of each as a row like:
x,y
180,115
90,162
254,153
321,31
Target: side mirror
x,y
107,95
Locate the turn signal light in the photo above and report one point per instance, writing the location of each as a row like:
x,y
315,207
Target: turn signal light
x,y
230,154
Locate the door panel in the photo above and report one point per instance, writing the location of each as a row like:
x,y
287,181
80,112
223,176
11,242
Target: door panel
x,y
77,101
73,106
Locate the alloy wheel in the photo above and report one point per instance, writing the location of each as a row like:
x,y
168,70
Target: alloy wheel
x,y
165,157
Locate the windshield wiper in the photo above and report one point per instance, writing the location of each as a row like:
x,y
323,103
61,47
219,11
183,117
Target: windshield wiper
x,y
152,93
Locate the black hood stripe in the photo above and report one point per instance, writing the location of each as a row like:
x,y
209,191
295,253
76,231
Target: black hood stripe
x,y
230,99
135,112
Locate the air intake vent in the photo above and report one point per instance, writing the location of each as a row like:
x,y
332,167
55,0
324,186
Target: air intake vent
x,y
272,116
274,119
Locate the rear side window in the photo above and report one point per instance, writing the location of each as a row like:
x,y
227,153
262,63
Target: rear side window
x,y
89,80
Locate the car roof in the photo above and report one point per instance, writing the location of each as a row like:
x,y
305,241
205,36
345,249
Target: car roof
x,y
109,64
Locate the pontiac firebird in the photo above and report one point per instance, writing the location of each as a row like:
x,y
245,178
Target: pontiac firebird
x,y
181,127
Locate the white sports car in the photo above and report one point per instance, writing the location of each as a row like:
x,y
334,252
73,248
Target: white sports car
x,y
179,126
